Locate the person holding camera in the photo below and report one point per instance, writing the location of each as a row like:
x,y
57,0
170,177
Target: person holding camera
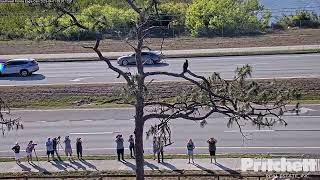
x,y
29,149
67,147
120,147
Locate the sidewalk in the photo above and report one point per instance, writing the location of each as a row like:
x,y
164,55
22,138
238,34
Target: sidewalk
x,y
113,165
175,53
224,164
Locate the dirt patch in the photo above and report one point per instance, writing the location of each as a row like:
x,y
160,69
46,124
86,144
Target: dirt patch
x,y
104,94
283,38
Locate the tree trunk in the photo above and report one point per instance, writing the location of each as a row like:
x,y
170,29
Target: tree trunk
x,y
139,124
139,119
139,148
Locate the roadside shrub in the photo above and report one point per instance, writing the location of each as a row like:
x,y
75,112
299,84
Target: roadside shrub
x,y
223,17
302,19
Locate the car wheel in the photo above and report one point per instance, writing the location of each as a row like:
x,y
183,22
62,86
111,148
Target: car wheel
x,y
125,62
150,62
24,73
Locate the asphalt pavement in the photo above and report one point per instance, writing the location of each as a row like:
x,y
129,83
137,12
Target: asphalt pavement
x,y
267,66
98,128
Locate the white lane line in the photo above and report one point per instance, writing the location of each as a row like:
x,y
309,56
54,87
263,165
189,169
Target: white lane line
x,y
80,79
273,130
92,133
79,109
249,131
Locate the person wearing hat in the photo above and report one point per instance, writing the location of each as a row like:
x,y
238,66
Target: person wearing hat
x,y
16,150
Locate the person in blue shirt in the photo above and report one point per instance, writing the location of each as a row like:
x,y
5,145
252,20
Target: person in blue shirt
x,y
190,148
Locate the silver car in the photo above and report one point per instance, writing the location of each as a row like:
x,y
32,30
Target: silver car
x,y
24,67
149,57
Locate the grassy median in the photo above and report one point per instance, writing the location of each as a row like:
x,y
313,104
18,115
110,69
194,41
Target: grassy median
x,y
108,95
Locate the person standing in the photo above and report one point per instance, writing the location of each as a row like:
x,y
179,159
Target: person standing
x,y
16,150
54,145
160,149
190,148
131,146
212,148
67,147
49,146
79,148
120,147
29,149
155,147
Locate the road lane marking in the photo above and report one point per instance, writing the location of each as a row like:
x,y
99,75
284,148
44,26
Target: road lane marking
x,y
92,133
273,130
80,109
80,79
248,131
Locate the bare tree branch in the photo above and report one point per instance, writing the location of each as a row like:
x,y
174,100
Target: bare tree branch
x,y
115,69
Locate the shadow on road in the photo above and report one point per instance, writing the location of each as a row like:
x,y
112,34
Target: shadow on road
x,y
91,166
33,77
58,165
170,166
24,168
203,168
79,166
231,171
40,169
151,166
129,164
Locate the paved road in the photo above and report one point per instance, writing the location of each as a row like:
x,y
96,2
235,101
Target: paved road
x,y
275,66
98,128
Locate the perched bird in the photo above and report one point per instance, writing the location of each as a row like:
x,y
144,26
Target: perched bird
x,y
185,66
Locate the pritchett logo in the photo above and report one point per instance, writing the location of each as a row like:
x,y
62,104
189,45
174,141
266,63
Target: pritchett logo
x,y
280,165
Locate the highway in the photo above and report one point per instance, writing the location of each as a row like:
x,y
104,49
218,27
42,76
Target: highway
x,y
268,66
98,128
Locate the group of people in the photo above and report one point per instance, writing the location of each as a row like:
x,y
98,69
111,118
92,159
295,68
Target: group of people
x,y
120,147
158,148
52,147
212,149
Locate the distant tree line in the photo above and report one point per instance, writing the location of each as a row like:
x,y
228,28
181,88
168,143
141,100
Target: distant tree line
x,y
198,18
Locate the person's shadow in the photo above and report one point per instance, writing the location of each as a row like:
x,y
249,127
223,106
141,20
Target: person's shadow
x,y
151,166
58,165
91,166
170,166
24,168
40,169
79,166
231,171
204,169
129,164
63,165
